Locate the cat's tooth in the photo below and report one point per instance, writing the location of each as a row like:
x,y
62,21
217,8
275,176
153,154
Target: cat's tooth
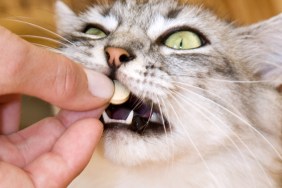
x,y
121,94
155,118
106,118
129,118
128,121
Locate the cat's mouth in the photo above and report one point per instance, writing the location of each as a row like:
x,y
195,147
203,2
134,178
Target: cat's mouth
x,y
135,115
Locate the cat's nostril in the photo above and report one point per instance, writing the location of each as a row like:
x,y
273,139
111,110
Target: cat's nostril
x,y
124,58
107,56
117,56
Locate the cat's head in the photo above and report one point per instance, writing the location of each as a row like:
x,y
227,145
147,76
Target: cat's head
x,y
192,76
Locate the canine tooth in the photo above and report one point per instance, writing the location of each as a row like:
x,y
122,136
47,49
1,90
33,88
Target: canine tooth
x,y
128,121
155,118
106,117
130,118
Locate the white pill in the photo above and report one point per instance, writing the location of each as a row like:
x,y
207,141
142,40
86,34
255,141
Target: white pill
x,y
121,93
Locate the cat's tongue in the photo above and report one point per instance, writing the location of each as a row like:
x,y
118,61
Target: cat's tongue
x,y
122,112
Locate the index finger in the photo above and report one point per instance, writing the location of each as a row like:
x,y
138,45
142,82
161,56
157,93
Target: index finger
x,y
30,70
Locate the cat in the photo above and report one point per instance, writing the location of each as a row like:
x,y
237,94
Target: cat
x,y
205,108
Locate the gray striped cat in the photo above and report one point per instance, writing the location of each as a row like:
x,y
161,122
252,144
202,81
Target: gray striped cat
x,y
205,108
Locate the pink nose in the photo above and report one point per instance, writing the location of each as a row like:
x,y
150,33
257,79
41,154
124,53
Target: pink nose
x,y
117,56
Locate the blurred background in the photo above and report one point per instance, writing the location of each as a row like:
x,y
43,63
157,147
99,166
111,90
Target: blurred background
x,y
17,15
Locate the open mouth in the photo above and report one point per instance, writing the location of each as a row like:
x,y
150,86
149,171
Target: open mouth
x,y
135,115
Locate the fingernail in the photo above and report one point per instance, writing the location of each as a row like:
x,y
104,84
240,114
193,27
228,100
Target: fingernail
x,y
99,84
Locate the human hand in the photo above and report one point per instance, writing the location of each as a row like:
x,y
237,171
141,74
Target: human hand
x,y
52,152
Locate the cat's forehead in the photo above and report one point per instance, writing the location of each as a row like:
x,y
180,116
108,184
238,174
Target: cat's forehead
x,y
154,17
143,11
128,8
131,11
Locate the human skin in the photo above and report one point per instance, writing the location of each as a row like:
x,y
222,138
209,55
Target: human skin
x,y
53,151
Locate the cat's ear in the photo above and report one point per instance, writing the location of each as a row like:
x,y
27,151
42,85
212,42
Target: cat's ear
x,y
261,46
65,18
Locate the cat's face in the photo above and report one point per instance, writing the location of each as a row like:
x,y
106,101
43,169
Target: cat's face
x,y
179,66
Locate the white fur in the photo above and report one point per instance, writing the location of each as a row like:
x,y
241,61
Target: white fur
x,y
225,125
66,18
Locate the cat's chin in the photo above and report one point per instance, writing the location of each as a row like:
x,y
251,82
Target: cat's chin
x,y
136,132
124,147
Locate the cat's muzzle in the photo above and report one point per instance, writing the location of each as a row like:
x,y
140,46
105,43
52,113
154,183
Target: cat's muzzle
x,y
135,115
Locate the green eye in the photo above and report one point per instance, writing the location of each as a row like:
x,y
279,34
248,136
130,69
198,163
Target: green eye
x,y
95,31
183,40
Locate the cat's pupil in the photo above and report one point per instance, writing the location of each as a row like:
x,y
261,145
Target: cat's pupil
x,y
181,44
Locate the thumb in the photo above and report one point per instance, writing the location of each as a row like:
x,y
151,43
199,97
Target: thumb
x,y
65,83
52,77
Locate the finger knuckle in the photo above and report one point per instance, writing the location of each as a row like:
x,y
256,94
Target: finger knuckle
x,y
67,81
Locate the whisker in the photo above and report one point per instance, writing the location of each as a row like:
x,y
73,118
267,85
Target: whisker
x,y
44,38
200,109
163,119
41,28
150,116
277,65
48,48
225,80
196,148
162,115
170,144
238,117
138,103
208,92
240,81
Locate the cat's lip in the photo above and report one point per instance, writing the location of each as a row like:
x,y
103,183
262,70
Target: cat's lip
x,y
135,115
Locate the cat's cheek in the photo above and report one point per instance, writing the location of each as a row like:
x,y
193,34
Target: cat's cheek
x,y
201,126
91,56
